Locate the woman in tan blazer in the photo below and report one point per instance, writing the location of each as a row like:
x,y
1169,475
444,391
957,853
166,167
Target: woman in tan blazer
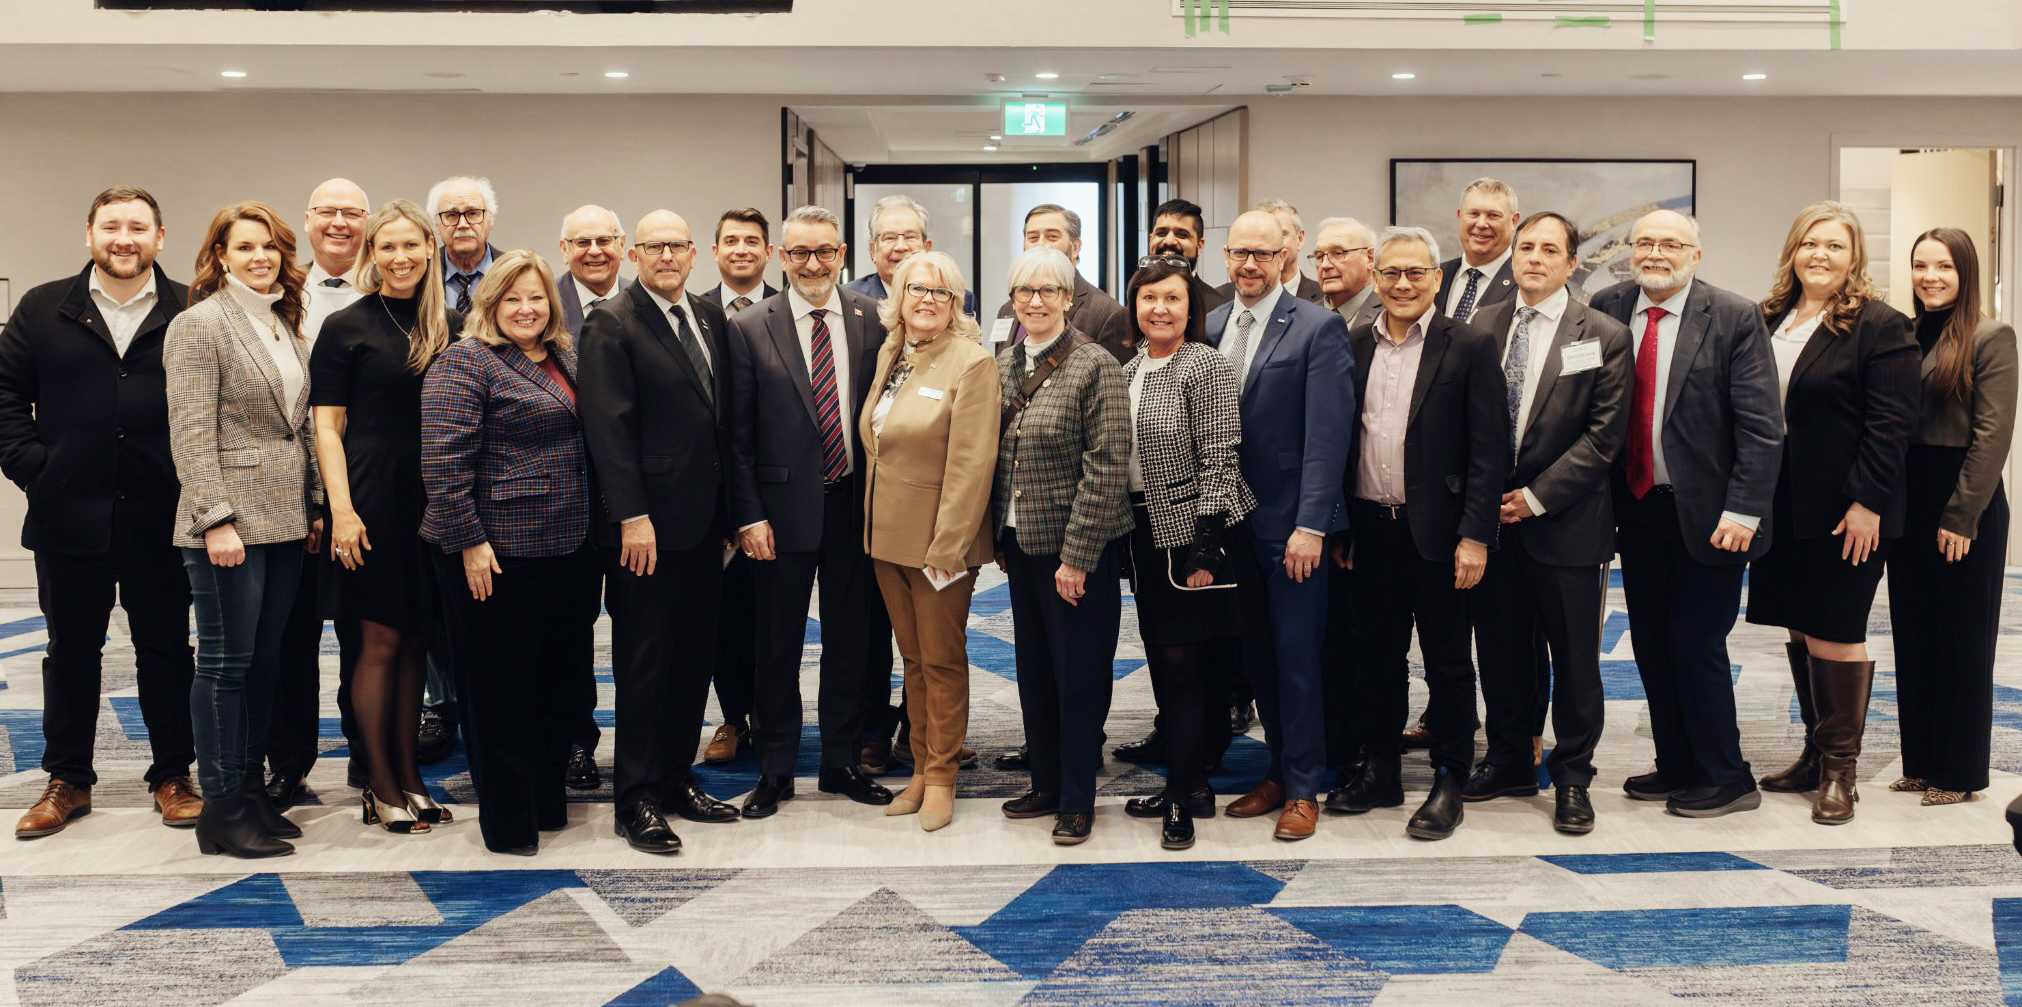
x,y
930,443
238,401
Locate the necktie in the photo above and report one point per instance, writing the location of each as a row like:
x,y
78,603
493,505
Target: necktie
x,y
827,404
741,302
1465,309
463,282
333,282
1642,456
685,335
1513,368
1239,351
594,301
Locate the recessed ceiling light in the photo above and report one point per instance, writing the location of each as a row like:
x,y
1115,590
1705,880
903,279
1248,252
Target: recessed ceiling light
x,y
616,74
1754,76
989,146
1047,76
996,136
231,73
1403,76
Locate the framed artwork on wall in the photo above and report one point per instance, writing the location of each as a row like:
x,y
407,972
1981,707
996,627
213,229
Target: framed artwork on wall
x,y
1603,197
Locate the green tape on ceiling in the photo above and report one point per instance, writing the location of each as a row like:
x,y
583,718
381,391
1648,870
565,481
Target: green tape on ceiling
x,y
1649,20
1582,22
1835,24
1484,18
1187,6
1224,19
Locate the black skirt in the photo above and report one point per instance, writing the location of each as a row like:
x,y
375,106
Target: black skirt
x,y
1171,614
1802,583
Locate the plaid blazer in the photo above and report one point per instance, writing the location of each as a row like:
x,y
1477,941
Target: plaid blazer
x,y
1064,460
1188,425
243,456
502,453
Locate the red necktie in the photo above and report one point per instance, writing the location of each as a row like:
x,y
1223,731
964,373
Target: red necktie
x,y
827,404
1642,411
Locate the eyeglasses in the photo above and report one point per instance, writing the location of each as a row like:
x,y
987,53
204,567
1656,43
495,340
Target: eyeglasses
x,y
655,249
350,214
600,241
1258,255
900,237
1646,246
1414,274
939,295
1324,256
1048,294
450,217
1164,260
825,253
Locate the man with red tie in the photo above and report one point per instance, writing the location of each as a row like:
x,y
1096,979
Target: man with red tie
x,y
1692,500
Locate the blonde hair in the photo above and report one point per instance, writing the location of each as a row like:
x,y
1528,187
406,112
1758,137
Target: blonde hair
x,y
431,330
1852,295
959,322
505,271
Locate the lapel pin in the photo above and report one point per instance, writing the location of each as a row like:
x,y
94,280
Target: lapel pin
x,y
859,312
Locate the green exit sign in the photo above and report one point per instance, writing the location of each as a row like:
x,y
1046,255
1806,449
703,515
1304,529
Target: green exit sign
x,y
1035,118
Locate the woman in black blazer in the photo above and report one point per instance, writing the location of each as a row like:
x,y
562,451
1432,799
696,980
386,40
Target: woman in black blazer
x,y
1197,584
1848,368
1945,578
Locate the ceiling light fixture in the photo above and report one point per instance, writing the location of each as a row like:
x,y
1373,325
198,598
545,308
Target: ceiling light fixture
x,y
616,74
989,146
1046,76
1754,76
1403,76
232,73
996,136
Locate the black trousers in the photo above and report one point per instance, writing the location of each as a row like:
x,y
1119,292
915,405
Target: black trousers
x,y
1396,590
1680,612
737,652
581,697
663,650
297,723
1066,668
76,593
1517,596
1337,672
782,589
514,654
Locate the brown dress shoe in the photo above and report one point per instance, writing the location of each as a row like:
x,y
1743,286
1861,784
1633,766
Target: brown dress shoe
x,y
1268,796
1417,735
1298,821
178,802
60,803
723,744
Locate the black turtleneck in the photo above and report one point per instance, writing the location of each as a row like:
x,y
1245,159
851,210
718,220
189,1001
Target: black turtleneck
x,y
1931,325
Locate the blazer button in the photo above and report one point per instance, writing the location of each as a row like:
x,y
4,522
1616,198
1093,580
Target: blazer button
x,y
288,437
119,434
122,372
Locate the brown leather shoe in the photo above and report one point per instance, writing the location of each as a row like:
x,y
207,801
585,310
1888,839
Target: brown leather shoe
x,y
1298,821
1268,796
724,743
60,803
1417,735
178,802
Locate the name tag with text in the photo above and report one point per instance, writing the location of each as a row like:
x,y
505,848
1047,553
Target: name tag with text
x,y
932,393
1584,355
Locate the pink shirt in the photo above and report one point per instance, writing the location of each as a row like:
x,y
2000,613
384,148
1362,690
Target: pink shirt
x,y
1386,410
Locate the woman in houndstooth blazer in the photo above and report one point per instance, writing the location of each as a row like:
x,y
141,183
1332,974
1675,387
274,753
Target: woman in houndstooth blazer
x,y
1197,584
238,399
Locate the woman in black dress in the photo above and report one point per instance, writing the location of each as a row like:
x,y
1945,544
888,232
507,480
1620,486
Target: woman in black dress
x,y
366,380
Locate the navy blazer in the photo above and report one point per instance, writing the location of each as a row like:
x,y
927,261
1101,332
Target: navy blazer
x,y
502,453
572,306
1298,406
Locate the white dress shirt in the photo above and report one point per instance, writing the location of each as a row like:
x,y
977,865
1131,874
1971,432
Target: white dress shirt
x,y
1261,313
123,321
1787,343
1667,348
1488,271
587,298
1544,328
667,307
320,302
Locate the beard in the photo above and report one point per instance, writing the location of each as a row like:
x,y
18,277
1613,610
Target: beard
x,y
1658,283
103,260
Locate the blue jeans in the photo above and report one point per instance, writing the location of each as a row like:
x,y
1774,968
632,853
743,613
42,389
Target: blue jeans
x,y
241,612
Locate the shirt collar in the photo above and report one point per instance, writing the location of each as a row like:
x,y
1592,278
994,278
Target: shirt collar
x,y
584,295
1262,309
1672,304
1553,306
665,304
146,291
1488,271
483,265
757,293
801,307
317,274
1416,333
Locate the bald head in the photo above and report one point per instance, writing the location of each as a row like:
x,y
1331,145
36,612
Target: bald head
x,y
335,224
663,252
1254,233
593,246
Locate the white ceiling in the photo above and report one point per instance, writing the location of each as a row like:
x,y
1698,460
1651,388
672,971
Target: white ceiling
x,y
928,134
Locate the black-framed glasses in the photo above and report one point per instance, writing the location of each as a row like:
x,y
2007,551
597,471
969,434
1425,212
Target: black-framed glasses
x,y
1257,255
655,249
599,241
1415,274
1048,294
826,253
351,214
1164,260
1646,246
1324,256
939,295
474,215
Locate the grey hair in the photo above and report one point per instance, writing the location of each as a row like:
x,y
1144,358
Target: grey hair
x,y
896,201
1689,219
1494,187
1392,235
1073,219
1043,262
812,214
616,221
484,190
1274,204
1349,222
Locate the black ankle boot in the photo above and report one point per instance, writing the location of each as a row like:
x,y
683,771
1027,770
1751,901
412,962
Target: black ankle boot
x,y
262,811
227,825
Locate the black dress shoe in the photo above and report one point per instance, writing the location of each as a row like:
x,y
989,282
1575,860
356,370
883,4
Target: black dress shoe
x,y
1574,814
691,803
284,790
1441,813
523,851
2014,814
1014,760
1379,785
1489,782
765,797
1150,748
1650,787
1241,716
902,752
852,782
583,773
1177,832
1712,801
1071,828
1199,804
646,830
435,738
1032,804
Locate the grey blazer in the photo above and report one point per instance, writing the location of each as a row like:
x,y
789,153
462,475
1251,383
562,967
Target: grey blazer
x,y
1065,457
1983,425
243,456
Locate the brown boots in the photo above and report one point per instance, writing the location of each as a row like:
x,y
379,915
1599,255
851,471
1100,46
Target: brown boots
x,y
1802,776
1839,691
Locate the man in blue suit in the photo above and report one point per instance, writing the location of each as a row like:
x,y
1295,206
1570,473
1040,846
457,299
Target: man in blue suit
x,y
898,230
1298,409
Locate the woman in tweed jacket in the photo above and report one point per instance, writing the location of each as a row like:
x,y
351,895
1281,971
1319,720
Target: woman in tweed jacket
x,y
1197,583
1059,513
238,398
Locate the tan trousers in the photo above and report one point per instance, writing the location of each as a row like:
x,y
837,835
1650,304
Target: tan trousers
x,y
932,630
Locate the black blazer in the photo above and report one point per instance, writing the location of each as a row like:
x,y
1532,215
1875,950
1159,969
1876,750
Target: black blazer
x,y
1849,412
1575,431
83,430
651,421
1210,298
1456,441
714,295
572,306
775,451
1493,290
1722,427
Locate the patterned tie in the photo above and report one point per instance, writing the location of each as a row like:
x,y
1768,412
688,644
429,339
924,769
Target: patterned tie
x,y
1239,351
463,283
827,404
1642,459
1464,311
685,335
334,281
741,302
1513,368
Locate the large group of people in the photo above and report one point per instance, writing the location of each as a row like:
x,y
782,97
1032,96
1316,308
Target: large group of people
x,y
461,454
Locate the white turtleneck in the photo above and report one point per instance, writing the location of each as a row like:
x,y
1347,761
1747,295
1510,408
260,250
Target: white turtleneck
x,y
274,334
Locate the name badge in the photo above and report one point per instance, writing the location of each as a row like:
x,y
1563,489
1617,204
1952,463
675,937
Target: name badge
x,y
1001,330
1584,355
932,393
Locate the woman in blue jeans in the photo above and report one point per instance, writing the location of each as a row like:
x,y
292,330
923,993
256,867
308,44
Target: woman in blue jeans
x,y
238,401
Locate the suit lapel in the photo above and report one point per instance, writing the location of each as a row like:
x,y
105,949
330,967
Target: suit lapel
x,y
661,325
1572,328
779,324
245,330
533,372
862,339
1692,327
1275,328
572,306
1436,338
1814,348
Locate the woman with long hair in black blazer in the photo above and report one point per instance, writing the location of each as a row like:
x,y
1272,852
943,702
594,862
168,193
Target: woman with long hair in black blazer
x,y
1848,368
1945,577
